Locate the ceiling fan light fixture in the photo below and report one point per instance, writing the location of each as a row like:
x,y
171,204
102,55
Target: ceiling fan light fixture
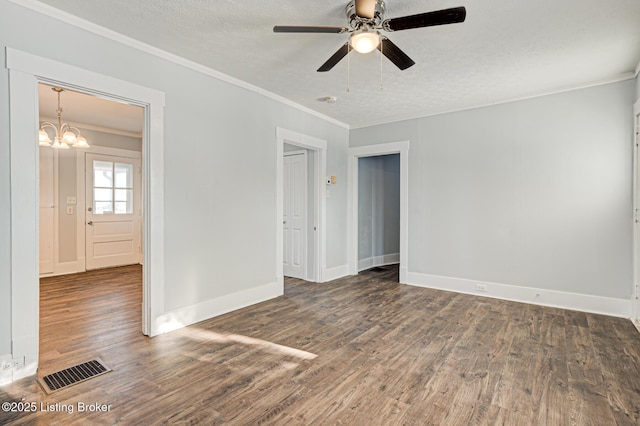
x,y
364,41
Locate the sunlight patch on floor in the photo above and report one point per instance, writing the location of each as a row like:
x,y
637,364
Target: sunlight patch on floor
x,y
210,336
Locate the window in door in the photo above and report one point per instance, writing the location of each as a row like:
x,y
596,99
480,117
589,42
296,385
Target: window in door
x,y
112,188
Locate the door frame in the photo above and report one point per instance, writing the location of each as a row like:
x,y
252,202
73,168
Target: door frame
x,y
305,269
635,292
319,146
401,148
25,72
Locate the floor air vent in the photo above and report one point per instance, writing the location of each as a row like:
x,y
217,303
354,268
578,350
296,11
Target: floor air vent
x,y
72,375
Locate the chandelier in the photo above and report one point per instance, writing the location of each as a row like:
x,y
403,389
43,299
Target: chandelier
x,y
64,134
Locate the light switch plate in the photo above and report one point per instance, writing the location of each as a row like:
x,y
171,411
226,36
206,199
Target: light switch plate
x,y
71,200
69,209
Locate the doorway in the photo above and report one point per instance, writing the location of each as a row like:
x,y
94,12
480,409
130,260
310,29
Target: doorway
x,y
378,211
635,293
401,148
296,213
78,233
316,151
25,72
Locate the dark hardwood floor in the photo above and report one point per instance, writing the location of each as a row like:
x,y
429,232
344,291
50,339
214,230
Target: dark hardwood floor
x,y
361,350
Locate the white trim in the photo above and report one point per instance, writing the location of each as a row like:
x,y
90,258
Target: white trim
x,y
192,314
535,296
83,24
372,262
66,268
331,274
320,147
25,72
635,291
423,114
401,148
81,212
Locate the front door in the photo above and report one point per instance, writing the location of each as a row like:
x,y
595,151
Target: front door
x,y
113,211
295,215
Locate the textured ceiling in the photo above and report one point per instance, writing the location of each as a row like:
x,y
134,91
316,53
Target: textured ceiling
x,y
506,49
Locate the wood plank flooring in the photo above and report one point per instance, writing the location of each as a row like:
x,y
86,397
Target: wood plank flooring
x,y
361,350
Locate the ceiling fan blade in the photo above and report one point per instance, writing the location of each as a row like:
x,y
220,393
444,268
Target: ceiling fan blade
x,y
365,8
429,19
302,29
337,57
394,54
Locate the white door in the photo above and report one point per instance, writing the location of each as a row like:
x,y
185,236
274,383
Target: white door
x,y
47,207
112,211
295,215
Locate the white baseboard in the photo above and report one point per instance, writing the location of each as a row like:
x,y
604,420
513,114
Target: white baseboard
x,y
535,296
331,274
192,314
28,365
66,268
386,259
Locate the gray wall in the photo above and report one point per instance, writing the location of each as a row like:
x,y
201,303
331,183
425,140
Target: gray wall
x,y
532,193
638,87
378,206
220,164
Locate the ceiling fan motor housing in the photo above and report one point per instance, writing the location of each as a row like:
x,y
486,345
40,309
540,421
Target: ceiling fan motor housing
x,y
356,22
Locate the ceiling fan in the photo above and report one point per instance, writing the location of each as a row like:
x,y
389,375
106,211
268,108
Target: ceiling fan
x,y
366,19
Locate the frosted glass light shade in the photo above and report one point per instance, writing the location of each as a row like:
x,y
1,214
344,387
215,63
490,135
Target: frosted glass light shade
x,y
43,138
81,142
58,144
69,136
365,41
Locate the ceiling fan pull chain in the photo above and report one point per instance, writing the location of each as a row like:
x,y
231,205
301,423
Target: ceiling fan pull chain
x,y
381,54
348,68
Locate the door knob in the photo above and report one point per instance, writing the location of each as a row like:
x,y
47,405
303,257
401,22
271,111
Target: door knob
x,y
90,209
90,223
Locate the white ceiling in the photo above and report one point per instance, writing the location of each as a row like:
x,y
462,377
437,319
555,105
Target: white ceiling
x,y
506,49
81,110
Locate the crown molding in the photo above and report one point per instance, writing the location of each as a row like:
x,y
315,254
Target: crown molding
x,y
83,24
398,118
